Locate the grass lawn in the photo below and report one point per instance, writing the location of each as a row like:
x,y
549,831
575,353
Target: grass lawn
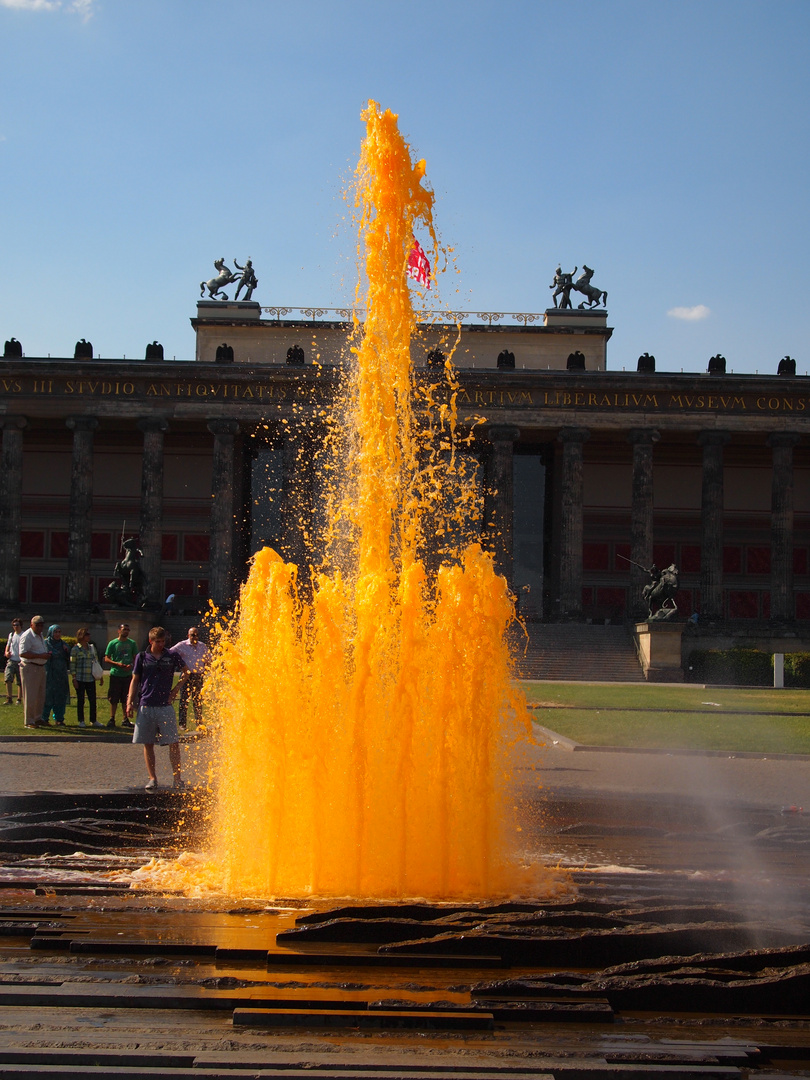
x,y
11,722
675,717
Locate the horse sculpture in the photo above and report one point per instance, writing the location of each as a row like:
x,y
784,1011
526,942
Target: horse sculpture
x,y
661,591
224,277
594,295
127,590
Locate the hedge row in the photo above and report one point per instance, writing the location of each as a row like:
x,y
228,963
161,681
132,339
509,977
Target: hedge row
x,y
69,641
745,667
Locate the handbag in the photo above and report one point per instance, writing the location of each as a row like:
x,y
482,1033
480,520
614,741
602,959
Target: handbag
x,y
97,669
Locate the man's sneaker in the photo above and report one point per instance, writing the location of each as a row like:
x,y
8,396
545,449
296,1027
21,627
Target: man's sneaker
x,y
151,784
179,785
110,723
81,723
98,723
128,724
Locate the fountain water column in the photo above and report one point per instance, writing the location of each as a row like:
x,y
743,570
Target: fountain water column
x,y
573,440
11,507
77,590
783,604
641,514
711,513
151,531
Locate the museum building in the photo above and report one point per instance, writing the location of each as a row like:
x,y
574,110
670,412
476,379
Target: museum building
x,y
591,476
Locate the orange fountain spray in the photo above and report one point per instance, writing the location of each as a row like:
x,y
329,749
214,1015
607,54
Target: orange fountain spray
x,y
368,727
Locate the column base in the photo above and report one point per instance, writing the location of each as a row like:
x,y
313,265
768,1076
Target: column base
x,y
659,651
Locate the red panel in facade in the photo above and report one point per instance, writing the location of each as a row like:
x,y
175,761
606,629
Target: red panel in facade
x,y
683,598
690,559
179,586
196,547
59,545
619,564
663,555
743,604
32,545
732,560
45,590
758,560
100,545
169,546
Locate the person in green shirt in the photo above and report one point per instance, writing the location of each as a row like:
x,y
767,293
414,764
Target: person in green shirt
x,y
120,655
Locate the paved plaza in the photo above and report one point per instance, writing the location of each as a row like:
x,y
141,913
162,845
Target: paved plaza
x,y
48,764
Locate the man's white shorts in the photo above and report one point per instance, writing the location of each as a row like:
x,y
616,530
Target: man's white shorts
x,y
156,724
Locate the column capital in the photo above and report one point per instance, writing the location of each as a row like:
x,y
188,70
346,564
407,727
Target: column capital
x,y
713,438
82,423
643,436
18,422
573,435
153,423
223,427
783,438
503,433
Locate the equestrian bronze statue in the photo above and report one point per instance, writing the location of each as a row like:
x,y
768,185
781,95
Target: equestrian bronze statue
x,y
129,585
660,592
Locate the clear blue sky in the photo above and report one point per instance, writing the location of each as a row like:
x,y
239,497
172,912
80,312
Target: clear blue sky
x,y
664,144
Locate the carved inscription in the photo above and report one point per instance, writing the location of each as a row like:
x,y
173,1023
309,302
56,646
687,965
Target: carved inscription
x,y
598,398
127,388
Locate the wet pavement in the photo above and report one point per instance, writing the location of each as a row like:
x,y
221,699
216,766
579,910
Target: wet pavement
x,y
681,871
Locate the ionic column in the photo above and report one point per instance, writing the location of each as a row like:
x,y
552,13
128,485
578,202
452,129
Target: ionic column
x,y
641,513
711,510
151,531
11,460
223,501
783,606
77,590
294,461
499,498
573,440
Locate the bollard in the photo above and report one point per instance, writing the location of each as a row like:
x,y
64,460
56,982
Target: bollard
x,y
779,671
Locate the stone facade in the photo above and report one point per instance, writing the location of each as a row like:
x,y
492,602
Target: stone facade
x,y
581,468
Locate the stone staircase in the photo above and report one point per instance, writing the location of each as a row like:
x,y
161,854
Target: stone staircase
x,y
568,652
578,652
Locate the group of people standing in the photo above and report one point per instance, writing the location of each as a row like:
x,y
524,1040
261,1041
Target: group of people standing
x,y
42,665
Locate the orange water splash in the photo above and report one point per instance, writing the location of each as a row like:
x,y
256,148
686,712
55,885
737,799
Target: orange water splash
x,y
369,713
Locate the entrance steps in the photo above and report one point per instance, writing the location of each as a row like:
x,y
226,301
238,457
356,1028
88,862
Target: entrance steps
x,y
578,652
568,652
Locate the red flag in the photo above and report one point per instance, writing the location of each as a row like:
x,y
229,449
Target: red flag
x,y
418,265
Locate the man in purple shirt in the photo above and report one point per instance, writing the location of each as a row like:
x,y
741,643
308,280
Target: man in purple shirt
x,y
152,690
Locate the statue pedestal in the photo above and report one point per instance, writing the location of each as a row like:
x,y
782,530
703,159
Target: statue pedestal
x,y
659,650
139,623
585,319
228,310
